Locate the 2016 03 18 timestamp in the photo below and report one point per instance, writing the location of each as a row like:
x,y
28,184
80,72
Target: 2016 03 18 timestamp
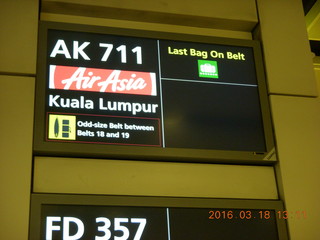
x,y
254,214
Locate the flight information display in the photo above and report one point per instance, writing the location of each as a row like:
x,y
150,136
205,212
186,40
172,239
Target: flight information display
x,y
138,223
120,90
77,221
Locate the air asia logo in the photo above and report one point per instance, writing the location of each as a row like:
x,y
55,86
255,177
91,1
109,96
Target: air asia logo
x,y
208,69
62,127
102,80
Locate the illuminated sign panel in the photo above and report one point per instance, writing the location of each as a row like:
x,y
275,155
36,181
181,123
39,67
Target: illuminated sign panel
x,y
119,93
143,218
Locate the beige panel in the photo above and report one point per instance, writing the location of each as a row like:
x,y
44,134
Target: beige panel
x,y
16,124
317,72
18,41
286,47
89,176
316,67
230,14
297,125
218,8
145,26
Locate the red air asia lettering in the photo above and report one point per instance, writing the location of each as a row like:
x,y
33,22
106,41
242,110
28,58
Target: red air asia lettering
x,y
102,80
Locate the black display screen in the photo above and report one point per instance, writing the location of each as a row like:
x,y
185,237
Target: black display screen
x,y
151,220
113,90
145,223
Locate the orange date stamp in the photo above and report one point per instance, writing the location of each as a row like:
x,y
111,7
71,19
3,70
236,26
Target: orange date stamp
x,y
255,214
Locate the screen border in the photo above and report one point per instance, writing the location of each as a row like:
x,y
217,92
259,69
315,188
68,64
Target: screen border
x,y
43,148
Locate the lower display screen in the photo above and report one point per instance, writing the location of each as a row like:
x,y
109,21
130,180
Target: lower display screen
x,y
135,223
92,222
73,217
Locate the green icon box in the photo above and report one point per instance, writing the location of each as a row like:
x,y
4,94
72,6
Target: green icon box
x,y
208,69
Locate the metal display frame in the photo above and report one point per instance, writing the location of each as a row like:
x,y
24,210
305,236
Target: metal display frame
x,y
43,148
